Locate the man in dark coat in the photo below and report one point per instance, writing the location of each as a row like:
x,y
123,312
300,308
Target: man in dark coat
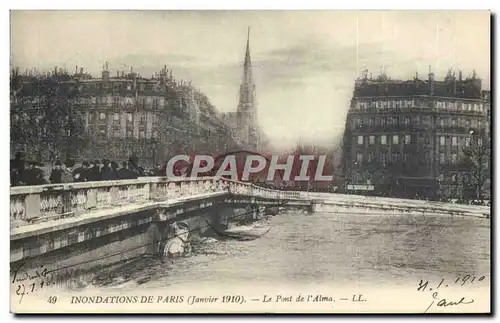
x,y
94,172
81,174
20,161
114,169
15,174
161,170
33,175
17,166
67,175
107,173
56,174
123,172
133,171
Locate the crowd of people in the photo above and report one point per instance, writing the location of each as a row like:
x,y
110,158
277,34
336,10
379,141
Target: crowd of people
x,y
30,172
25,172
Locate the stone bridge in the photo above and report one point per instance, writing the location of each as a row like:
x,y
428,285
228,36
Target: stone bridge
x,y
67,224
62,226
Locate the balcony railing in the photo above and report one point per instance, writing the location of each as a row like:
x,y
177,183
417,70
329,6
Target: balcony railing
x,y
32,204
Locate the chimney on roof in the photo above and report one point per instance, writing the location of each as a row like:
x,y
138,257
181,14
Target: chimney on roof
x,y
431,81
460,75
76,70
105,76
448,76
81,70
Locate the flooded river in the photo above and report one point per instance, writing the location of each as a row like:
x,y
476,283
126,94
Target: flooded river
x,y
337,248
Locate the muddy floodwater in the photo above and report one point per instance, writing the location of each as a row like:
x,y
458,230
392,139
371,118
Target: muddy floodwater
x,y
323,248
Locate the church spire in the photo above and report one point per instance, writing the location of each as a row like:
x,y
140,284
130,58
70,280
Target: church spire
x,y
247,86
247,72
248,62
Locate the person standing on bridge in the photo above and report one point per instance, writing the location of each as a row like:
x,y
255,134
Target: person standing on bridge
x,y
17,166
133,167
34,175
94,173
67,175
161,169
123,172
80,174
56,173
114,169
106,171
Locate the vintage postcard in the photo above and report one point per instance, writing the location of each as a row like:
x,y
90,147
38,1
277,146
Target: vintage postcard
x,y
250,162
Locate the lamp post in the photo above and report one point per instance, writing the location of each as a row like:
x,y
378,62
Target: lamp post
x,y
478,154
440,185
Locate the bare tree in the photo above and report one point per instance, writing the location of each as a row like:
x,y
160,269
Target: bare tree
x,y
44,114
477,161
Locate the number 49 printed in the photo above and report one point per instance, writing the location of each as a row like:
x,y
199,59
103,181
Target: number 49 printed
x,y
52,300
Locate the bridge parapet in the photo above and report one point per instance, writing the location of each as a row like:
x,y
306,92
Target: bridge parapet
x,y
32,204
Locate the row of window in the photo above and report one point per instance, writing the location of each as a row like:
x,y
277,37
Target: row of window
x,y
443,158
120,100
117,86
392,104
129,117
121,152
424,121
401,104
396,156
406,139
396,139
464,106
117,133
461,122
384,158
457,141
455,177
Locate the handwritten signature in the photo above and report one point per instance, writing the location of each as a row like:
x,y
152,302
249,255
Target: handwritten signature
x,y
443,302
39,279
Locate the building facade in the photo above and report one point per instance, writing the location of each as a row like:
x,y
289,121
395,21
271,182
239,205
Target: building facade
x,y
122,115
410,138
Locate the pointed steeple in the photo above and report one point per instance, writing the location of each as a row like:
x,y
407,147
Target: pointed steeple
x,y
246,107
248,62
247,66
247,87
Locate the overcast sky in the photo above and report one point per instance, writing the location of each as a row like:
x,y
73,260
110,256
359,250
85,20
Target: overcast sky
x,y
304,62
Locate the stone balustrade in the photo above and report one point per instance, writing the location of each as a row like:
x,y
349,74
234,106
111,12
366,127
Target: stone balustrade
x,y
31,204
394,204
